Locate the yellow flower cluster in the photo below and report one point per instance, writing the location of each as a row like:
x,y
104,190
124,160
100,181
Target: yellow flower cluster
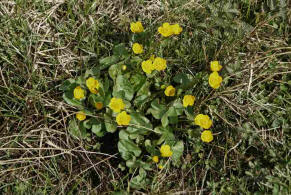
x,y
136,27
166,151
170,91
214,79
167,30
147,66
93,85
79,93
215,66
98,105
137,48
116,104
158,64
155,159
188,100
80,115
203,121
123,118
206,136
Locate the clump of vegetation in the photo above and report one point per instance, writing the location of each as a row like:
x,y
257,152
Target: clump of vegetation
x,y
145,97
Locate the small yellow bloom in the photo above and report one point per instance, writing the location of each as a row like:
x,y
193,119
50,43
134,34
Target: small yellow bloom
x,y
170,91
137,48
79,93
124,67
160,64
163,86
166,151
215,66
80,115
147,66
165,30
155,159
203,121
116,104
188,100
206,136
93,85
136,27
98,105
214,80
177,29
160,167
123,118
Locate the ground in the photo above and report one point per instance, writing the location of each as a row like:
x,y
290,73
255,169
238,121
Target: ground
x,y
45,42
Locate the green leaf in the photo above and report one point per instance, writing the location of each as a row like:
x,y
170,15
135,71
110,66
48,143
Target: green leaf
x,y
114,71
66,84
95,71
139,124
110,125
128,148
98,130
157,110
107,61
120,50
177,149
167,135
123,84
123,134
76,131
137,81
185,80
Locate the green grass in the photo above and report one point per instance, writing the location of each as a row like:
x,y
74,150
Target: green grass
x,y
43,43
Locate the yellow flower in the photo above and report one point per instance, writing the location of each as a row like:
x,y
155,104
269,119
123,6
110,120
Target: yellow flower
x,y
147,66
214,80
206,136
80,115
166,151
155,159
203,121
136,27
170,91
123,118
215,66
93,85
116,104
79,93
188,100
137,48
160,64
176,28
98,105
160,167
124,67
165,30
